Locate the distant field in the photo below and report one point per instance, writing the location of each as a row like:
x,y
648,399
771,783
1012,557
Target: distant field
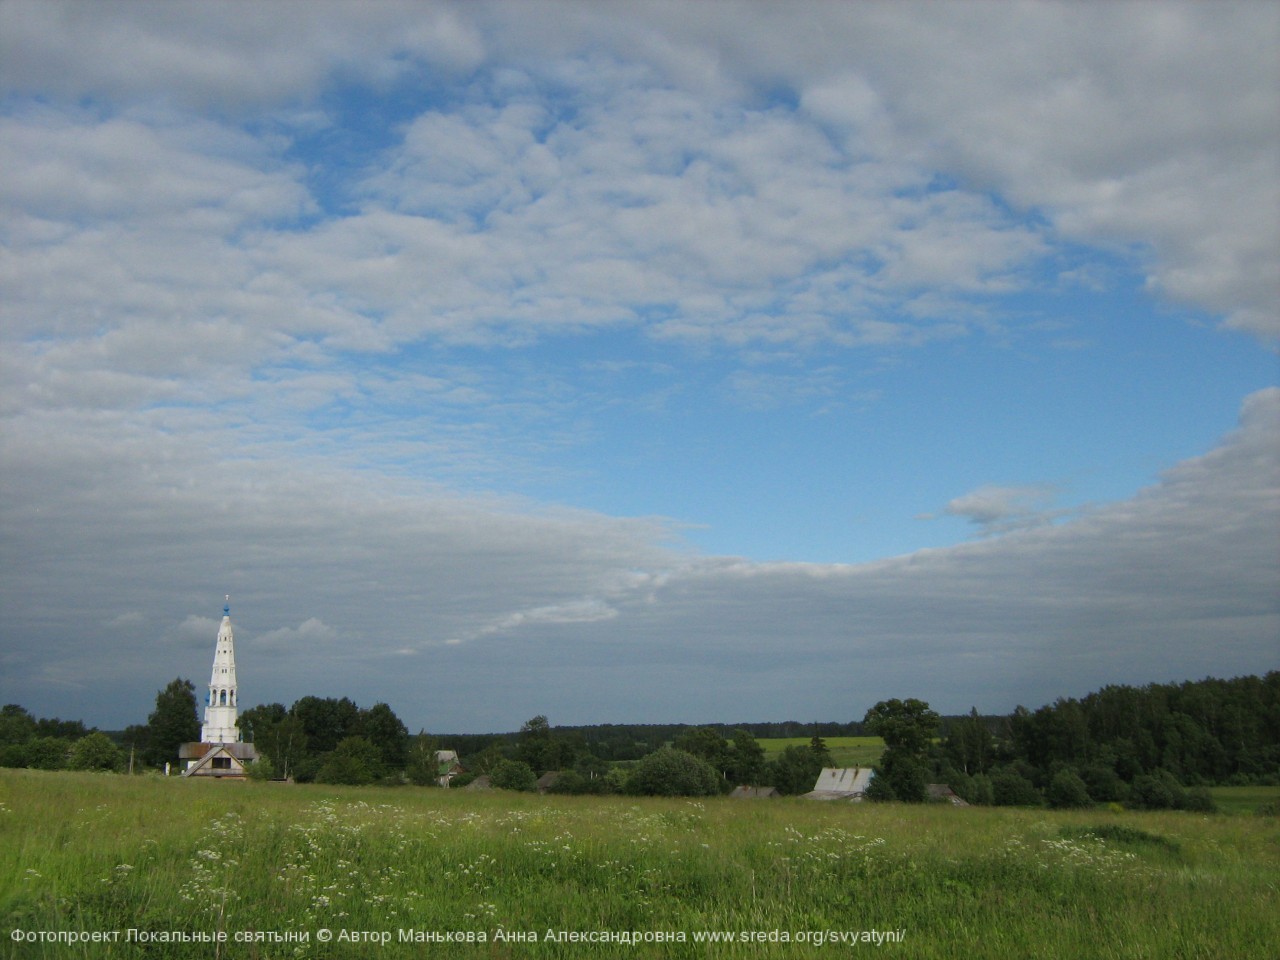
x,y
1244,799
845,751
334,873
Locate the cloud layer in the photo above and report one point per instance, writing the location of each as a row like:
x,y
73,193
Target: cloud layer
x,y
334,307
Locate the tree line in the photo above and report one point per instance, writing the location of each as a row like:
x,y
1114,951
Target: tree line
x,y
1152,746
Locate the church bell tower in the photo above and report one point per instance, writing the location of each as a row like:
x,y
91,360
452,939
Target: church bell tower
x,y
221,710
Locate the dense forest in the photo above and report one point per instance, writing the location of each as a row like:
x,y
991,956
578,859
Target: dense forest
x,y
1151,746
1137,745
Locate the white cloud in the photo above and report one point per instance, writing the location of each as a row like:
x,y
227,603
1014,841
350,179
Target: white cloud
x,y
995,509
312,636
203,56
197,630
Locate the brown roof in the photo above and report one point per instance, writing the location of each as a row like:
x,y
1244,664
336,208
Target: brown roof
x,y
194,751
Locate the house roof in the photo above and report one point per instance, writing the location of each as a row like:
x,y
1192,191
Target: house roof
x,y
241,751
238,752
940,791
841,783
754,793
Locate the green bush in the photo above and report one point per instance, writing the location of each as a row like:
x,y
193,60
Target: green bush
x,y
355,761
907,777
513,775
1157,791
1103,783
1010,789
879,790
1200,800
1067,790
571,782
94,752
261,769
674,773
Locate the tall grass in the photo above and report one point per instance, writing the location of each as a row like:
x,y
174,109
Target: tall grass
x,y
81,852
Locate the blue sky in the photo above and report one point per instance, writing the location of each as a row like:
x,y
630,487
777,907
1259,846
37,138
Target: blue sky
x,y
650,362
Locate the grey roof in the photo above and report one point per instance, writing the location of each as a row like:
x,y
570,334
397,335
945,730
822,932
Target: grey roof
x,y
940,791
841,783
754,793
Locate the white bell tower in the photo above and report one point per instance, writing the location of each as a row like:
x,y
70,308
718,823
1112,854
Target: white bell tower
x,y
220,711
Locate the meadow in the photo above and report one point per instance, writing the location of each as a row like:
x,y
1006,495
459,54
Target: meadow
x,y
268,869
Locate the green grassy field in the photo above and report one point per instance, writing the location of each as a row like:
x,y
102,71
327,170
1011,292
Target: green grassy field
x,y
845,751
1244,799
82,854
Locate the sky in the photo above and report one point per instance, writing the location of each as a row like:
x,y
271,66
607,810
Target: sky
x,y
640,362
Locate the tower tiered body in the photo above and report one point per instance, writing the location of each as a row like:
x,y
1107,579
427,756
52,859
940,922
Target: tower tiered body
x,y
220,711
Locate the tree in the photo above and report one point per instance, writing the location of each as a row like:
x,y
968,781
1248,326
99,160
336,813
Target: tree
x,y
384,730
513,775
704,742
256,721
819,748
354,761
746,759
879,790
327,721
907,728
16,724
571,782
669,772
45,753
969,744
535,745
173,723
422,767
1157,791
284,741
94,752
484,761
1067,790
905,775
1011,789
796,770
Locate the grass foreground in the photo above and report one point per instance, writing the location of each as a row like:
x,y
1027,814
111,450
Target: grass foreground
x,y
179,868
